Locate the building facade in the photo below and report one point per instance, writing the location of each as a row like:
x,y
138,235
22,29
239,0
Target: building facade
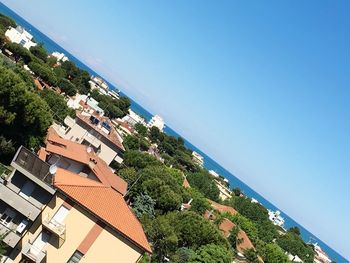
x,y
20,36
24,193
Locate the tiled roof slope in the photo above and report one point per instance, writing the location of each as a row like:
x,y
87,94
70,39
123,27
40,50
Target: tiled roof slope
x,y
105,203
78,152
222,208
113,136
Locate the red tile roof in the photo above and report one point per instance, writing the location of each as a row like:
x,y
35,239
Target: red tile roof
x,y
124,124
113,136
226,226
185,183
78,152
222,208
105,203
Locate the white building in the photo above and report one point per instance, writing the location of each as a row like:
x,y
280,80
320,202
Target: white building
x,y
132,118
61,57
198,159
20,36
82,102
213,173
225,192
276,218
99,84
320,255
156,121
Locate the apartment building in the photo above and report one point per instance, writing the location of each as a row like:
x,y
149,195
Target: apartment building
x,y
66,205
84,222
23,194
95,131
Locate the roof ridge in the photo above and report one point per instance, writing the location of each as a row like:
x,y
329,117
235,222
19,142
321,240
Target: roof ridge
x,y
82,185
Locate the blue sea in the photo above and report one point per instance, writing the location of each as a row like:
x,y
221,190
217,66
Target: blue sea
x,y
210,164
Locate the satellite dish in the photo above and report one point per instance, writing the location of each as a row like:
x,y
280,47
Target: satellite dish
x,y
53,169
89,149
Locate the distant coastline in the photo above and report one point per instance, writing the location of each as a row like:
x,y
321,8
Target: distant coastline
x,y
210,164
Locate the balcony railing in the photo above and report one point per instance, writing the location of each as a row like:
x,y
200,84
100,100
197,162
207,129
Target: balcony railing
x,y
54,226
33,253
10,237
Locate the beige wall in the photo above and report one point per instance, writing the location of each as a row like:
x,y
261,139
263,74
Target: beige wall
x,y
108,248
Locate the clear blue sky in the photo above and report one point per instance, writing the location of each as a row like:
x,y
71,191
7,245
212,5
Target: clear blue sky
x,y
262,87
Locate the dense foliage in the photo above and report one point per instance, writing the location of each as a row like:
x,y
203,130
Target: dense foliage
x,y
204,183
113,108
24,115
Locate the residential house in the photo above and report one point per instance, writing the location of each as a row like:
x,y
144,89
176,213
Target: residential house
x,y
96,132
198,159
86,221
20,36
79,159
225,192
132,118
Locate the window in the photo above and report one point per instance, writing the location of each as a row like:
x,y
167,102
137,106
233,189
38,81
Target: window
x,y
7,217
76,257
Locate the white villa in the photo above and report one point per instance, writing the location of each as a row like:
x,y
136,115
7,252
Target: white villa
x,y
20,36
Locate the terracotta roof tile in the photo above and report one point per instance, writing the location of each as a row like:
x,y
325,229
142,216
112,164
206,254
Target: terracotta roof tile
x,y
78,152
105,203
223,208
226,226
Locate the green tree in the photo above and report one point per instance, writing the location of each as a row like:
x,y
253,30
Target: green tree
x,y
199,203
139,160
6,22
2,38
194,231
131,142
141,129
39,51
233,238
129,174
205,184
24,115
211,253
57,103
251,255
144,204
295,245
182,255
67,87
237,191
19,52
6,150
44,72
271,253
245,224
294,230
163,237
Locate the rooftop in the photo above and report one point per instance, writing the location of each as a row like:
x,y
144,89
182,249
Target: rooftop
x,y
103,202
80,153
111,134
226,226
222,208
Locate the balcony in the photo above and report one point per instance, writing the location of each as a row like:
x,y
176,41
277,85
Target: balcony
x,y
21,204
29,164
11,238
55,227
32,253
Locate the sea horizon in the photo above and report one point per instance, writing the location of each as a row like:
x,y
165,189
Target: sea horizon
x,y
209,163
